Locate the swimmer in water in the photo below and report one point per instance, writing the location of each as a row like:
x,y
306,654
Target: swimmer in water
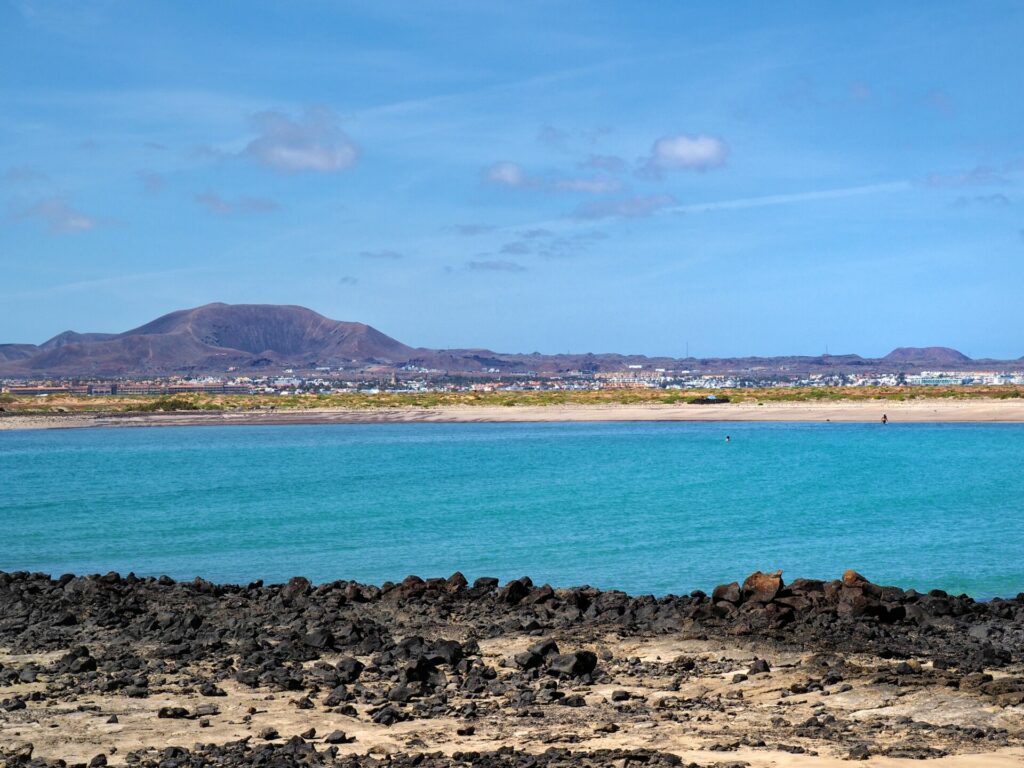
x,y
728,439
885,419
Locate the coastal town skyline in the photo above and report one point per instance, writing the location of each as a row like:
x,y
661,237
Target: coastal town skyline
x,y
538,177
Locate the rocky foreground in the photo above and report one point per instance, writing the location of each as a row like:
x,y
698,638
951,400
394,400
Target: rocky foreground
x,y
102,670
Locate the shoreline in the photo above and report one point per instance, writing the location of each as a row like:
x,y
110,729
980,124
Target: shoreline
x,y
918,411
440,673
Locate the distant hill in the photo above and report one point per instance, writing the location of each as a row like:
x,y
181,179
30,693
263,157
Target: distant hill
x,y
252,338
11,352
940,356
71,337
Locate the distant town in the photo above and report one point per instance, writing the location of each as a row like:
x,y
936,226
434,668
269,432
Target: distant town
x,y
372,380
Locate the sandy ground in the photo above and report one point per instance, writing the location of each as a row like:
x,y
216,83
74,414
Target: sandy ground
x,y
694,716
941,411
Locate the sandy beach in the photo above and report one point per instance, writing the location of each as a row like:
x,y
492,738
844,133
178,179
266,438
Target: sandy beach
x,y
918,411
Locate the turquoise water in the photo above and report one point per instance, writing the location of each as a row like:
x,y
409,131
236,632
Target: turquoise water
x,y
640,507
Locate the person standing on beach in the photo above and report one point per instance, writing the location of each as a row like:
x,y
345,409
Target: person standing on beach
x,y
885,418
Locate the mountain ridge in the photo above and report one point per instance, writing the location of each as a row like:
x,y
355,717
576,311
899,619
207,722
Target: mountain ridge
x,y
217,337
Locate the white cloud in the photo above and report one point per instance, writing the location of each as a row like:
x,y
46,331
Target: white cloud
x,y
59,216
687,153
313,142
506,174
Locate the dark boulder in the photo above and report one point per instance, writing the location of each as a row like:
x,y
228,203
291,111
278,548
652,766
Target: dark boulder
x,y
573,664
729,593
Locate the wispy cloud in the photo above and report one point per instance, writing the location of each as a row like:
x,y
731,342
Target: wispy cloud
x,y
860,92
515,248
998,199
563,141
589,186
313,142
24,174
609,163
788,199
384,255
214,203
684,152
802,94
494,265
980,175
509,174
552,137
59,216
626,208
535,233
94,284
940,101
152,183
470,230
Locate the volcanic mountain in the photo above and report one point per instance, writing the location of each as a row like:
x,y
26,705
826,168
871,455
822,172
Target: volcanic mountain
x,y
213,337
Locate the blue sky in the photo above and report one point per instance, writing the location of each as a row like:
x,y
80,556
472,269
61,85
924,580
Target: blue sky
x,y
741,178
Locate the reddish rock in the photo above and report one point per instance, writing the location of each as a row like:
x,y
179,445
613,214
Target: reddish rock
x,y
763,587
853,579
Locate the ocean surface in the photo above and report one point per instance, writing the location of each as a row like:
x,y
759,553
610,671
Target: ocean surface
x,y
643,507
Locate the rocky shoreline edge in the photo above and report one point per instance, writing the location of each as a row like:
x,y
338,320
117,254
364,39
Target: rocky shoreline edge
x,y
431,672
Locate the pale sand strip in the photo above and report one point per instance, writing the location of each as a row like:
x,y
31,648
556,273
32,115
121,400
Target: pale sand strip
x,y
940,411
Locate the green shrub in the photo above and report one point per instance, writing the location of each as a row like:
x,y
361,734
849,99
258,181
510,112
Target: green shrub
x,y
170,403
